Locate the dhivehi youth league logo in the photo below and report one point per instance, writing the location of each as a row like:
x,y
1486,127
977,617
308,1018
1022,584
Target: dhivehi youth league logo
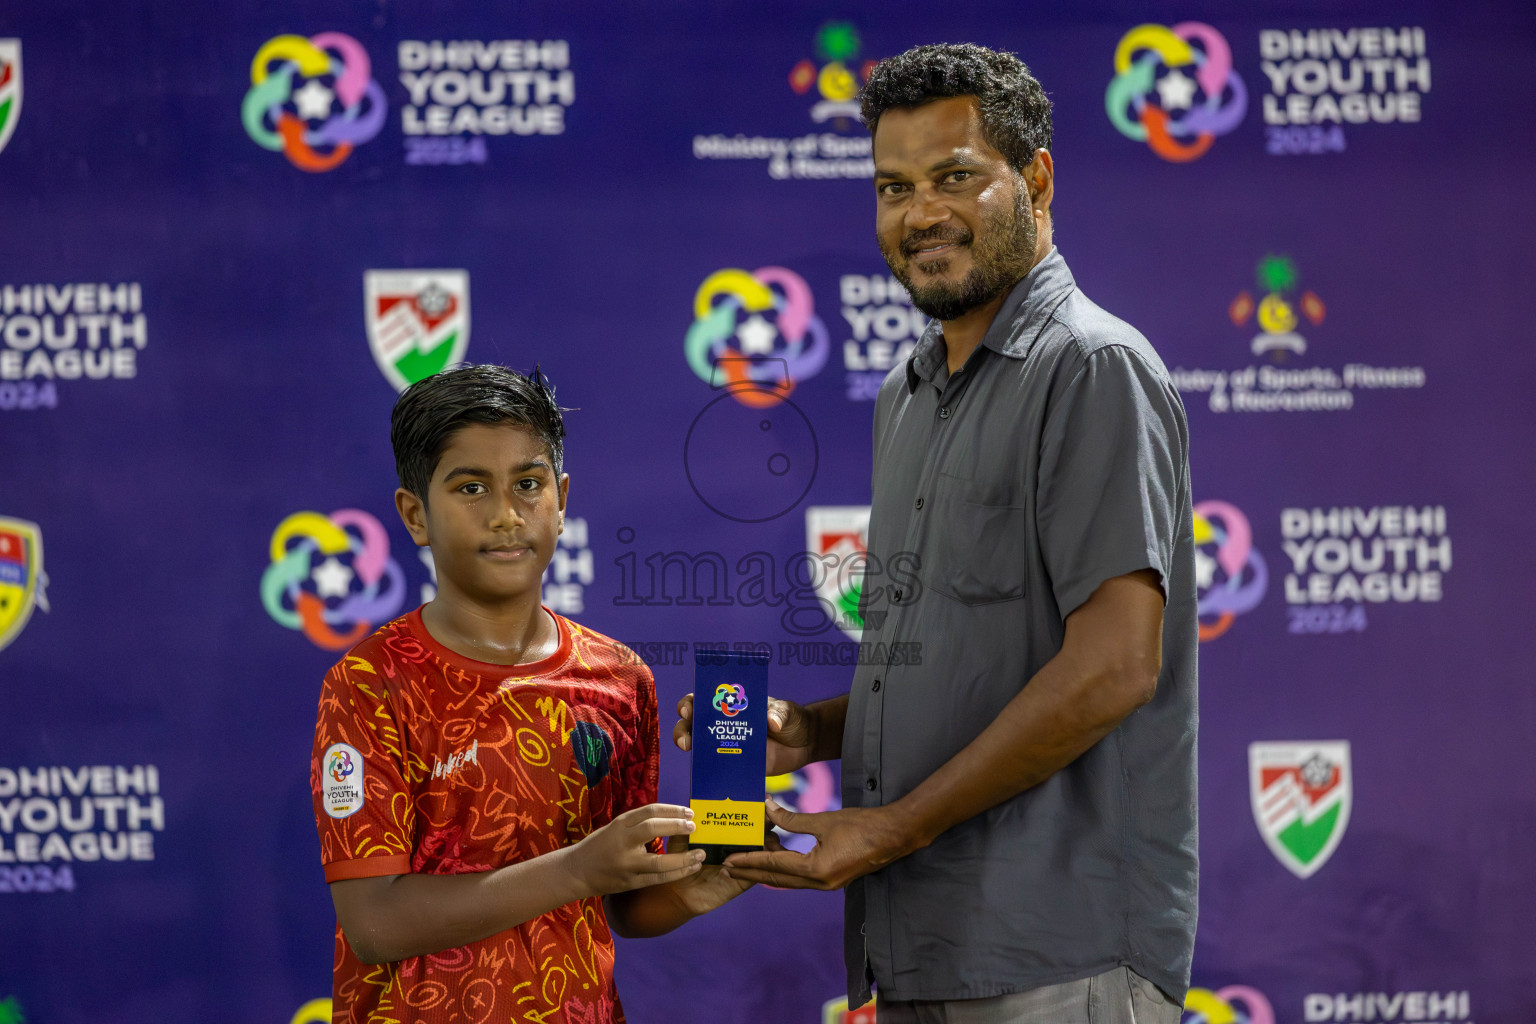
x,y
332,577
757,334
341,788
317,125
1230,574
730,699
1177,114
10,88
1301,795
22,580
418,321
837,538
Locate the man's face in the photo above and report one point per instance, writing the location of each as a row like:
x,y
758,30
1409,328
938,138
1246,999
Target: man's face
x,y
955,222
493,512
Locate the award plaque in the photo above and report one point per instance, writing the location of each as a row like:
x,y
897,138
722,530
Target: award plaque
x,y
730,752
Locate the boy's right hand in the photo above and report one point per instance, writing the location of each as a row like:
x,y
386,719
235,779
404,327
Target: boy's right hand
x,y
791,734
615,859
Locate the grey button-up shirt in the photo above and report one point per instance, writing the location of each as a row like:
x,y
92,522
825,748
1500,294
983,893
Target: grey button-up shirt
x,y
1055,459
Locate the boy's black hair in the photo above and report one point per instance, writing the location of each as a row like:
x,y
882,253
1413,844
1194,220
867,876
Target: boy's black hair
x,y
1015,113
431,411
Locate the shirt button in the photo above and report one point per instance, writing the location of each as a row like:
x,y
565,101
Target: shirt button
x,y
869,783
919,504
876,687
943,412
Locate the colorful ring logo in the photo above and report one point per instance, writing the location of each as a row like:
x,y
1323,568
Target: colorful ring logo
x,y
757,371
341,767
368,591
1235,1004
278,116
1233,581
730,699
1187,136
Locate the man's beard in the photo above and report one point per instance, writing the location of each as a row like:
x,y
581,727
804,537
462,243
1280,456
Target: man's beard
x,y
1002,257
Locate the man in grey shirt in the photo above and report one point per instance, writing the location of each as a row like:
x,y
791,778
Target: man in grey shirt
x,y
1018,837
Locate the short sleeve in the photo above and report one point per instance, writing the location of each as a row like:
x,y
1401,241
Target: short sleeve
x,y
363,808
1113,474
638,784
637,780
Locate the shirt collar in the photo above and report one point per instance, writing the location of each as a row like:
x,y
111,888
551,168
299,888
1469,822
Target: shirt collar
x,y
1013,331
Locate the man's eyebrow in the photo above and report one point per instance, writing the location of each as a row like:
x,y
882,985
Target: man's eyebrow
x,y
959,160
963,159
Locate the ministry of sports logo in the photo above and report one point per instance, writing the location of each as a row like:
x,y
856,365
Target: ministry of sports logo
x,y
756,334
837,536
1301,794
1276,311
318,124
1233,1004
1175,89
838,44
418,321
840,148
10,88
332,577
1230,574
22,580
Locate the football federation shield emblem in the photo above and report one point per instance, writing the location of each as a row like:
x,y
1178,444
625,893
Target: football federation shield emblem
x,y
22,580
1301,797
418,321
836,539
10,89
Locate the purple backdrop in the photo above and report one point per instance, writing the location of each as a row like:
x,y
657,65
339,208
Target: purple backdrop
x,y
1318,212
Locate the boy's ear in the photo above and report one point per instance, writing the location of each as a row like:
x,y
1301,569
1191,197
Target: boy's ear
x,y
413,513
565,490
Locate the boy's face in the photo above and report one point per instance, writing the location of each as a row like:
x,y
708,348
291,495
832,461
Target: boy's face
x,y
493,512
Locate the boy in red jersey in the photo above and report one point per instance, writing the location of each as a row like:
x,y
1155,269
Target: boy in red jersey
x,y
484,770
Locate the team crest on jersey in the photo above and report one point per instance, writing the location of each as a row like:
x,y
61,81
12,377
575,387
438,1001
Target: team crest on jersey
x,y
838,536
22,580
1301,799
10,91
418,321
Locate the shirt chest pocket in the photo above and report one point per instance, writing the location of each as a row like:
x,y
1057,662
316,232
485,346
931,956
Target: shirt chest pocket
x,y
976,541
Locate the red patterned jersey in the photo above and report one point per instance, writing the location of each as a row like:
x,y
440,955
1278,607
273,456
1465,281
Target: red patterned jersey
x,y
426,761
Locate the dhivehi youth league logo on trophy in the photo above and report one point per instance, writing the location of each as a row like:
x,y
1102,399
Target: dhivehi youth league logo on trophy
x,y
1301,796
10,88
418,321
837,540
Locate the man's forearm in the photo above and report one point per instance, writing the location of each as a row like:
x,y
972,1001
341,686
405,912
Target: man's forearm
x,y
391,918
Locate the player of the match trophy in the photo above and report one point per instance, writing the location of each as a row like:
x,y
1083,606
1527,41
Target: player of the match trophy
x,y
730,752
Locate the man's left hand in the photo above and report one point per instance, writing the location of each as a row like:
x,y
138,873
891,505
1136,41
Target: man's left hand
x,y
849,843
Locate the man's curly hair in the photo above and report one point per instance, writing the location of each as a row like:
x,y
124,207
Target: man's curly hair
x,y
1015,113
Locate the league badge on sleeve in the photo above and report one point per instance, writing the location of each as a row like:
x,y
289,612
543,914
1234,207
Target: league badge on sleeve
x,y
1301,798
22,580
418,321
341,782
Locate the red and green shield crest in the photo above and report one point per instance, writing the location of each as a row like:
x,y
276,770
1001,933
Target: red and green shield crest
x,y
1301,796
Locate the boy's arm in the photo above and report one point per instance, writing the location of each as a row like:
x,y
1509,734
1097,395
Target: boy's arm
x,y
391,917
658,909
